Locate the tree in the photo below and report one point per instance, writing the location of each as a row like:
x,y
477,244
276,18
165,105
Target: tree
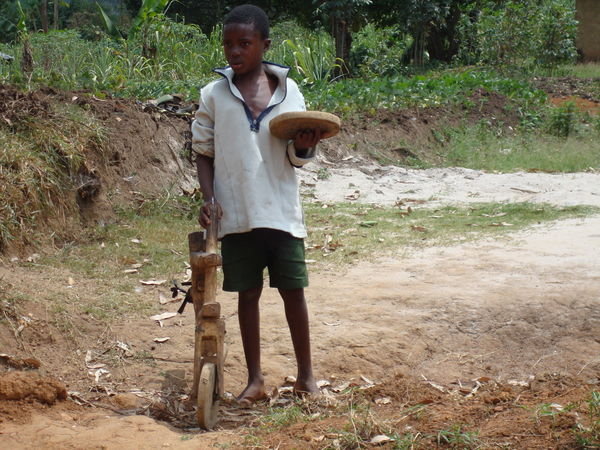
x,y
342,16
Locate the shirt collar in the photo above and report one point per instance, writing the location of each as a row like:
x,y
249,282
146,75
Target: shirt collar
x,y
279,71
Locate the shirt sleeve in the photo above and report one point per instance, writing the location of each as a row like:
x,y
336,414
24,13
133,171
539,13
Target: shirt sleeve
x,y
299,161
203,142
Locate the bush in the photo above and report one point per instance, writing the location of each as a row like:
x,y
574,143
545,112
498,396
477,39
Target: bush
x,y
378,51
517,32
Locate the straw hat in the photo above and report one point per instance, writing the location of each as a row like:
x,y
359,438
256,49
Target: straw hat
x,y
287,125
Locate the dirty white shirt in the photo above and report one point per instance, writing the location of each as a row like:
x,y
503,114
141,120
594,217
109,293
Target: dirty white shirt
x,y
255,179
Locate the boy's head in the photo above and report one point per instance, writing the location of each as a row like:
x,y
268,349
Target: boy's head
x,y
249,15
246,39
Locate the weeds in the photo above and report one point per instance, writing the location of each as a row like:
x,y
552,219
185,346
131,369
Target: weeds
x,y
282,417
458,438
40,165
477,148
589,436
346,232
562,120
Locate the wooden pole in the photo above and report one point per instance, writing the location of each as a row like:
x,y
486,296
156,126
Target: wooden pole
x,y
210,327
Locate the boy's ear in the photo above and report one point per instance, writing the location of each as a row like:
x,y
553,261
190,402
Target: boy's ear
x,y
267,44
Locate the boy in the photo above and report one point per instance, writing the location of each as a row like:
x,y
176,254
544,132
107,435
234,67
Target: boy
x,y
250,176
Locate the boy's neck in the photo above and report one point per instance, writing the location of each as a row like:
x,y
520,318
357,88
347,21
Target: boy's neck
x,y
250,77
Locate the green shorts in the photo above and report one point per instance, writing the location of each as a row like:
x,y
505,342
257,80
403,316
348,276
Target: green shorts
x,y
245,256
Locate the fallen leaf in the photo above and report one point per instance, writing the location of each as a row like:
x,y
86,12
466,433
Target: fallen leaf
x,y
383,401
98,373
161,340
153,282
96,366
163,316
163,299
130,271
323,383
483,379
366,380
368,223
136,241
123,346
341,387
380,439
274,396
418,228
71,281
33,258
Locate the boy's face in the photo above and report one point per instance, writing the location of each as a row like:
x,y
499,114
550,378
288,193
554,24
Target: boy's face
x,y
244,47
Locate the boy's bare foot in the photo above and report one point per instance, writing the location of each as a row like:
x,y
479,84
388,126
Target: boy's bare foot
x,y
254,392
304,388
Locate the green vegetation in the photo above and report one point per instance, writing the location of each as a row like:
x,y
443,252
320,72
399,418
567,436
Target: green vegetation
x,y
349,232
476,147
42,166
588,435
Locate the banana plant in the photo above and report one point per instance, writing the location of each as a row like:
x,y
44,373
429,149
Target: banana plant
x,y
148,10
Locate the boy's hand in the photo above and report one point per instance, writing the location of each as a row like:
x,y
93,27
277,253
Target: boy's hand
x,y
205,219
306,139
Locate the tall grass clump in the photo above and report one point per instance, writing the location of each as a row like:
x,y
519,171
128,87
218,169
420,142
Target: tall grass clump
x,y
164,57
41,165
566,147
310,54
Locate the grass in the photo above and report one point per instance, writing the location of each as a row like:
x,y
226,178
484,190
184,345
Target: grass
x,y
40,163
583,70
477,148
344,233
457,437
588,435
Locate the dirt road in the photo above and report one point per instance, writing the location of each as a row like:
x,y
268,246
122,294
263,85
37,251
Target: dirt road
x,y
509,309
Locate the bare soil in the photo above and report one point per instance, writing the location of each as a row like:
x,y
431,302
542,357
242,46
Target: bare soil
x,y
499,337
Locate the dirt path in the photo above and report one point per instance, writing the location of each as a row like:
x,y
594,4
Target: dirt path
x,y
384,185
510,309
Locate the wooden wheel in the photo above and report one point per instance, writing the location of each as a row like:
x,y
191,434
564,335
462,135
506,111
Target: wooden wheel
x,y
208,400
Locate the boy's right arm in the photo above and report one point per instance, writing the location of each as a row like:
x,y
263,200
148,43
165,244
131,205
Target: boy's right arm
x,y
206,176
203,149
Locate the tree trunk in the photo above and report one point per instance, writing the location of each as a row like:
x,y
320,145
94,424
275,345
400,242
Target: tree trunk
x,y
442,44
588,44
343,43
55,24
44,15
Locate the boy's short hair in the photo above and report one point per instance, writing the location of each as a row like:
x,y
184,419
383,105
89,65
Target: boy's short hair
x,y
249,14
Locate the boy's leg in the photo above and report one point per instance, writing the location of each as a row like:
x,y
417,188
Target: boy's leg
x,y
249,318
296,313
